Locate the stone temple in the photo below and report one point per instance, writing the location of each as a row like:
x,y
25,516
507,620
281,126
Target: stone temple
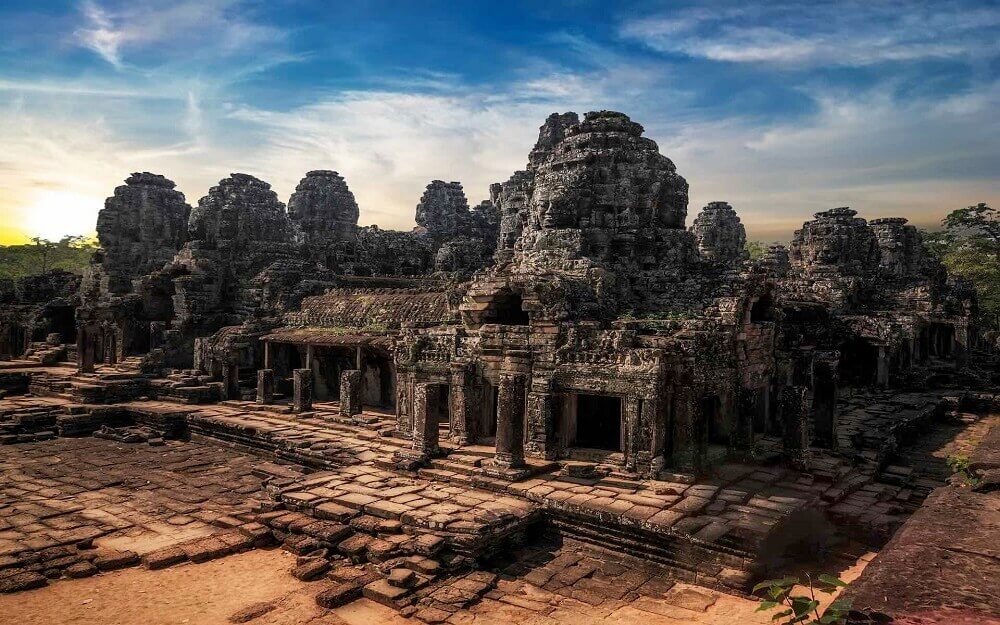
x,y
571,358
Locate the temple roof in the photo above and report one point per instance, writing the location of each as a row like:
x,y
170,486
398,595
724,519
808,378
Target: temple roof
x,y
325,337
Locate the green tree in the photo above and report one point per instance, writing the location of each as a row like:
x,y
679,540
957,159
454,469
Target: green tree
x,y
969,246
43,249
755,249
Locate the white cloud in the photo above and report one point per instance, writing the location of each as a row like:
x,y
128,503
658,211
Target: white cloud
x,y
867,151
843,33
185,29
100,35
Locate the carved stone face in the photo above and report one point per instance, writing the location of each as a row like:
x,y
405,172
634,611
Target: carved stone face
x,y
558,211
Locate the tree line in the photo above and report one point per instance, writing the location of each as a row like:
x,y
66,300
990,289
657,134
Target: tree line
x,y
70,253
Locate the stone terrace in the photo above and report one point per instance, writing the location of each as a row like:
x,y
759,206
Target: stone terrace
x,y
68,493
708,532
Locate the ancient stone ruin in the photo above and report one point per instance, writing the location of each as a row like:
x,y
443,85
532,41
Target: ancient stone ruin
x,y
568,359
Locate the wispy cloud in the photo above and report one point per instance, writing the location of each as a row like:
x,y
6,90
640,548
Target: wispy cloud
x,y
193,28
100,34
840,33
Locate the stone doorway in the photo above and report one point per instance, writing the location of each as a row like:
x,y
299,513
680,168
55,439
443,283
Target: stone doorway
x,y
507,308
761,409
598,423
942,337
442,413
378,381
858,363
488,418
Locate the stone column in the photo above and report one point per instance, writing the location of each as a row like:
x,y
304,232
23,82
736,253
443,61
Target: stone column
x,y
310,355
85,339
425,425
960,345
110,345
510,421
404,403
795,430
463,425
543,406
267,354
350,392
645,435
265,386
631,415
302,390
231,380
684,449
882,368
198,357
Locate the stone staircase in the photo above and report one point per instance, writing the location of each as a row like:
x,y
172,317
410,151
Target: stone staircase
x,y
47,353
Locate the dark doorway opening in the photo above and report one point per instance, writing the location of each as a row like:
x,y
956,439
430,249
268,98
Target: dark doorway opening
x,y
62,319
761,409
710,408
824,407
599,422
942,337
443,414
762,310
489,422
508,309
858,363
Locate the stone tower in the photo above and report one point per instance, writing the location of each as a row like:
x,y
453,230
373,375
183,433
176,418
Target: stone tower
x,y
720,234
324,209
140,229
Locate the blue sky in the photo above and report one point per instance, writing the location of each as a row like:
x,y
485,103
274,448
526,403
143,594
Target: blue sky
x,y
782,109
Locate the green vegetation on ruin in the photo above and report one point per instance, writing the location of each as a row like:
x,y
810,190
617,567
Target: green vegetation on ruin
x,y
969,246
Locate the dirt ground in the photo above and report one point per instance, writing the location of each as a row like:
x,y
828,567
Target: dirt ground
x,y
208,594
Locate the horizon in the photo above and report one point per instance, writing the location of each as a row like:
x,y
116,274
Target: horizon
x,y
782,110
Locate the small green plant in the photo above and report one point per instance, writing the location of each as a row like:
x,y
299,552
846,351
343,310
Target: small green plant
x,y
801,608
959,466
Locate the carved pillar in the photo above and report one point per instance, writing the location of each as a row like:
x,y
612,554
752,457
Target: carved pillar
x,y
85,348
646,434
464,427
510,421
199,363
795,425
631,416
267,354
405,385
684,452
350,392
960,345
121,341
265,386
302,390
542,413
426,408
231,380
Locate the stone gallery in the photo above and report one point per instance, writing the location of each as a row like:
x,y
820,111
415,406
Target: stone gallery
x,y
572,359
